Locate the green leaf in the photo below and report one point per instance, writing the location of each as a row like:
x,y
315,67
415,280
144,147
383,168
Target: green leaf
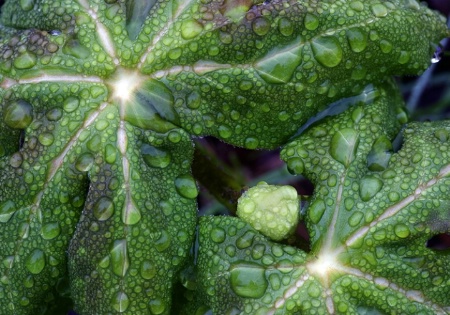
x,y
100,99
368,228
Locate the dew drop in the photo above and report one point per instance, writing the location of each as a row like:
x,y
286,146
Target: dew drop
x,y
148,270
311,22
7,209
369,187
357,39
248,280
285,26
343,146
245,240
71,104
379,10
26,5
24,61
380,154
155,157
218,235
163,242
193,100
157,306
296,166
50,230
46,139
120,302
103,209
186,186
401,230
386,46
54,114
84,162
110,153
327,51
316,210
261,26
355,218
35,262
18,114
190,29
119,258
130,213
16,160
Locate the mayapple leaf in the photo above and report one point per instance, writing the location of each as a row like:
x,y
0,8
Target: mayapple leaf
x,y
369,229
100,99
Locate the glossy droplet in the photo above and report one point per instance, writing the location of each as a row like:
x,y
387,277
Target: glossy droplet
x,y
379,10
130,212
442,135
279,65
35,262
355,218
54,114
46,138
261,26
110,153
163,242
191,29
50,230
311,22
401,230
296,166
316,210
84,162
369,187
74,48
8,262
285,26
155,157
405,57
358,39
18,114
343,146
24,61
248,280
7,209
71,104
327,51
186,186
26,5
120,302
119,258
193,100
245,240
217,235
157,306
357,6
103,209
148,270
380,154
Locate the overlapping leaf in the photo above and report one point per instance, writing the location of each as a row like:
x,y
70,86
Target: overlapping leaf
x,y
99,99
371,215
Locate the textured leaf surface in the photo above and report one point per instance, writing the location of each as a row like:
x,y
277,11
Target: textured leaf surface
x,y
368,228
98,103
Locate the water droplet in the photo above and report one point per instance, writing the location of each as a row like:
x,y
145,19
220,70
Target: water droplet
x,y
404,57
157,306
442,135
148,270
186,186
103,209
35,262
18,114
46,138
369,187
119,258
155,157
245,240
355,218
357,6
120,302
55,33
327,51
401,230
7,209
94,144
279,65
74,48
386,46
311,22
191,29
261,26
316,210
285,26
217,235
26,5
71,104
251,143
8,262
343,146
163,242
380,154
24,61
54,114
193,100
248,280
296,166
50,230
84,162
357,39
130,212
379,10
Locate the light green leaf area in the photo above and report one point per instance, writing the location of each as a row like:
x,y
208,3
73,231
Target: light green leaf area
x,y
99,100
368,225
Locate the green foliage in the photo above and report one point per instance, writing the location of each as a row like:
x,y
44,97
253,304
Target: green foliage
x,y
100,100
